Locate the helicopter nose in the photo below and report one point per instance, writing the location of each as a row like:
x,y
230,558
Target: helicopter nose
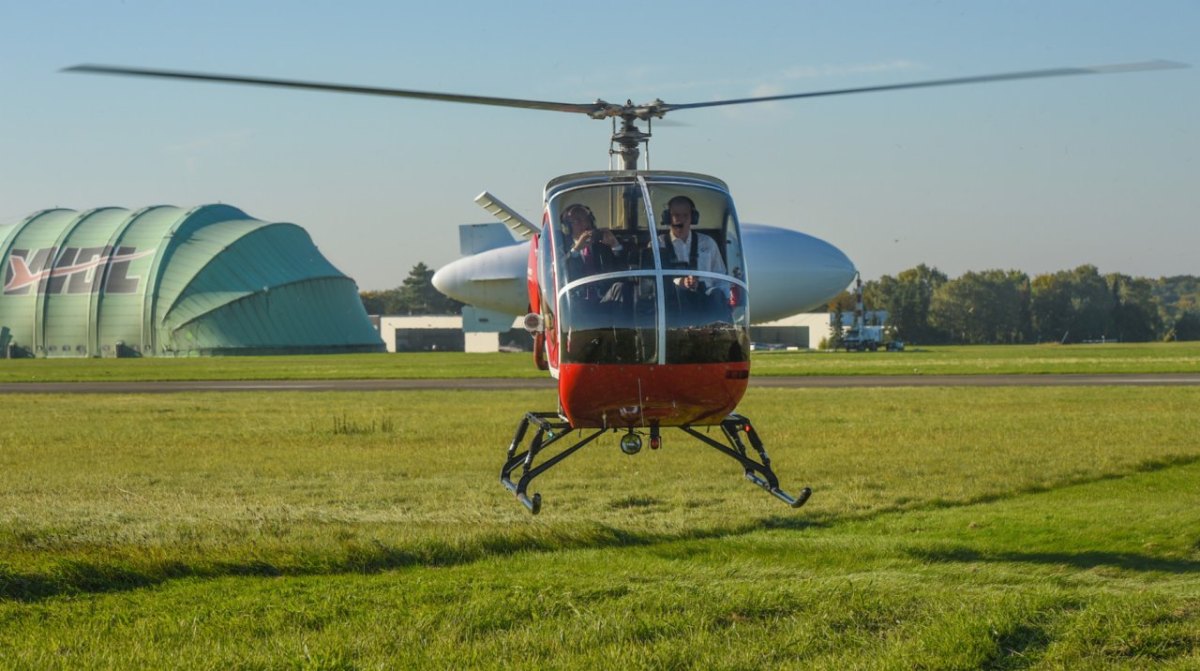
x,y
492,280
791,272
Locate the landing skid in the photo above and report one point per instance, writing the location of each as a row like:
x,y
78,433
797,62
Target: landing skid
x,y
551,428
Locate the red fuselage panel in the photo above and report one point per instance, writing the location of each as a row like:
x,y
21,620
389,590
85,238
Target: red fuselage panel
x,y
638,395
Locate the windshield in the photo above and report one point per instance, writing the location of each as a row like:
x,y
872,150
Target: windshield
x,y
648,272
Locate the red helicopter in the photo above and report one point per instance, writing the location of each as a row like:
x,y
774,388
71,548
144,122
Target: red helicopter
x,y
638,292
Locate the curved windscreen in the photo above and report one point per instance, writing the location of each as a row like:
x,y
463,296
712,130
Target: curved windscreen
x,y
648,272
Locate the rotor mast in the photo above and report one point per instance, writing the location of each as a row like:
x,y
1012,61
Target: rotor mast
x,y
628,137
627,140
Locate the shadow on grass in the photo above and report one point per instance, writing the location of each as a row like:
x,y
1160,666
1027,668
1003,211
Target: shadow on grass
x,y
937,503
115,573
1079,560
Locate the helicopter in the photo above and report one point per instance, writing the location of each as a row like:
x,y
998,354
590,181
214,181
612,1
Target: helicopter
x,y
637,284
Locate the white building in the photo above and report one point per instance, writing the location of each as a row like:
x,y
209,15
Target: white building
x,y
431,333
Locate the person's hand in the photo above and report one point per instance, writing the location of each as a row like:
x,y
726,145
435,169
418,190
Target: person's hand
x,y
607,237
583,241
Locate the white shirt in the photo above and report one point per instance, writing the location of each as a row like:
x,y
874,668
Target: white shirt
x,y
708,257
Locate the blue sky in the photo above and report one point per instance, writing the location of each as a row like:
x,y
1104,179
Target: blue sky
x,y
1037,176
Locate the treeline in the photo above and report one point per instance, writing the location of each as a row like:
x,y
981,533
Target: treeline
x,y
990,307
415,296
1007,306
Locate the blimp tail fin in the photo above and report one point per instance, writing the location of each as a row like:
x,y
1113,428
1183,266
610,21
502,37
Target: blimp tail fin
x,y
524,228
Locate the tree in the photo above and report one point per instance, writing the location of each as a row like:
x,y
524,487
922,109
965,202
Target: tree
x,y
843,302
983,308
907,299
1176,296
1187,327
1050,307
1135,316
1071,305
416,295
418,292
386,302
837,333
1091,304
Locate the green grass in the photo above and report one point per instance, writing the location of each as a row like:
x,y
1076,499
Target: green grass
x,y
989,359
1013,359
950,528
297,367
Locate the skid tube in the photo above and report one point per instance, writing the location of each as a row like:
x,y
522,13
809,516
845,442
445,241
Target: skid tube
x,y
552,427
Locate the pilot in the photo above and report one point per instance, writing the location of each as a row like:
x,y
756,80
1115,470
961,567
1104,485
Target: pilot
x,y
592,250
682,247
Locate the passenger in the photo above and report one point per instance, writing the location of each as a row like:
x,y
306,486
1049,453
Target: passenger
x,y
591,250
684,248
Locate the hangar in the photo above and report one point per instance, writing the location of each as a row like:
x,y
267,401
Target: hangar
x,y
165,281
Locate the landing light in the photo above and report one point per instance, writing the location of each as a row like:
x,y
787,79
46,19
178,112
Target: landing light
x,y
631,443
533,323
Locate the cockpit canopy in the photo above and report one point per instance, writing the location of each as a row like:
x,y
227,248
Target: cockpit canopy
x,y
644,268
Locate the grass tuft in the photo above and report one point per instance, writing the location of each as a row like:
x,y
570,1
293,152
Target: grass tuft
x,y
345,426
634,502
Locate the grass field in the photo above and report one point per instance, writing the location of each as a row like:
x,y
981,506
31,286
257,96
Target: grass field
x,y
981,359
950,528
966,360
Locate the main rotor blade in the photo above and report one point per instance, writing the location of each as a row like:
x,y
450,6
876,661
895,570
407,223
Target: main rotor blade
x,y
586,108
601,109
1004,76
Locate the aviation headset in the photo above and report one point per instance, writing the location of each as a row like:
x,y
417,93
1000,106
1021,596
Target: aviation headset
x,y
666,215
565,218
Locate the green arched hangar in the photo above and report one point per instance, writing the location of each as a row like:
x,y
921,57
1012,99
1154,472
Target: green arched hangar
x,y
164,281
